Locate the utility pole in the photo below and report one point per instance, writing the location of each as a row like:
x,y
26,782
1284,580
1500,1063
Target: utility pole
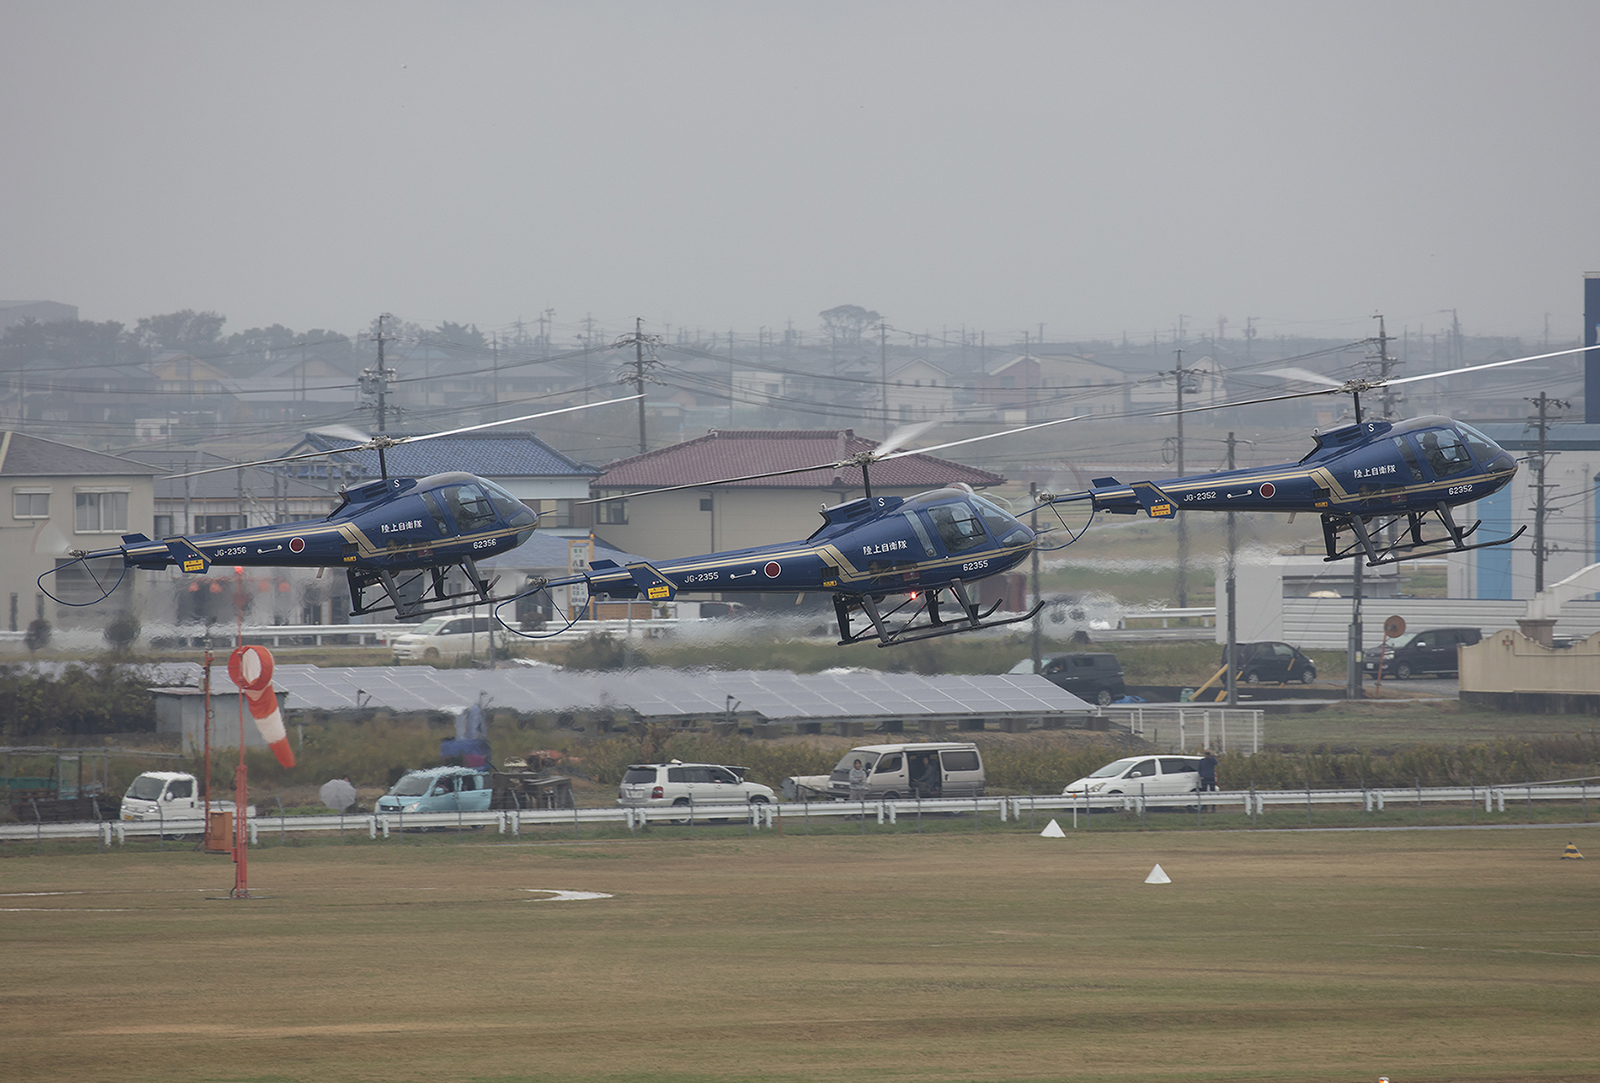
x,y
377,381
1183,531
639,340
547,322
883,364
1038,617
1230,682
1541,490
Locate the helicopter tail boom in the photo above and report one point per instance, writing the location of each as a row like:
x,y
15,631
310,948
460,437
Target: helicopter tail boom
x,y
1108,494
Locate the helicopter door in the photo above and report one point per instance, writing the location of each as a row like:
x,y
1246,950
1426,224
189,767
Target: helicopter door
x,y
441,523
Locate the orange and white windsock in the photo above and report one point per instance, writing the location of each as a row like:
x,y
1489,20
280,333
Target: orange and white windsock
x,y
251,669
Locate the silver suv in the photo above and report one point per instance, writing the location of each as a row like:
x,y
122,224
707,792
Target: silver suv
x,y
661,785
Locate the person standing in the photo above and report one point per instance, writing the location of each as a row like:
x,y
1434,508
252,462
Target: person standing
x,y
858,782
1208,771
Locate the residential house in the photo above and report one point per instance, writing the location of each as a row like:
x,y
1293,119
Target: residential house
x,y
919,390
1030,388
65,499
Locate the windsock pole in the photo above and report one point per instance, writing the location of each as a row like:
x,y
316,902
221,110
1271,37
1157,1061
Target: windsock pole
x,y
251,669
241,840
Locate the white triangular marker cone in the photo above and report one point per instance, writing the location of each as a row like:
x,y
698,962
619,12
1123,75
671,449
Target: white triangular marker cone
x,y
1158,876
1053,831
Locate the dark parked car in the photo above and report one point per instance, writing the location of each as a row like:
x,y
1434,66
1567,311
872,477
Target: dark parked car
x,y
1430,651
1271,661
1090,676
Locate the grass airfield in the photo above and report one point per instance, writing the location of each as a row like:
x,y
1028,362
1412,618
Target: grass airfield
x,y
1419,955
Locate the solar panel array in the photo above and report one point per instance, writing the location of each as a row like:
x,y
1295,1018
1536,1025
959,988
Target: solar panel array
x,y
672,693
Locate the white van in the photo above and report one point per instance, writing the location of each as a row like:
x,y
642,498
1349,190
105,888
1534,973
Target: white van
x,y
1146,776
931,769
446,638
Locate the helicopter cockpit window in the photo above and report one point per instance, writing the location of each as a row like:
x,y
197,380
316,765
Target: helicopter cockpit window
x,y
436,513
1446,454
471,506
1483,449
1001,523
1412,462
958,527
920,531
506,504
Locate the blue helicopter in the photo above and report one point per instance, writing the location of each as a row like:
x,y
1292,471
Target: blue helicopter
x,y
900,569
1362,478
396,538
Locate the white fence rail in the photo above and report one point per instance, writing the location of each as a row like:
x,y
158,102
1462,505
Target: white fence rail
x,y
1494,799
1219,728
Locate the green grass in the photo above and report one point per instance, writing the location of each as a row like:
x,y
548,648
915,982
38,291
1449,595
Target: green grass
x,y
1462,955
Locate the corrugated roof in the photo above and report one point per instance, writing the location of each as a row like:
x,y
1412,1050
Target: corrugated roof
x,y
720,455
487,454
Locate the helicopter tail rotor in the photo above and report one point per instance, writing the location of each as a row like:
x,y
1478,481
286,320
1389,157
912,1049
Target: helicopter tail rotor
x,y
85,579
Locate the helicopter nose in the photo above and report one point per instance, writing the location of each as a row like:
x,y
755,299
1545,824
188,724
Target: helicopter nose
x,y
524,520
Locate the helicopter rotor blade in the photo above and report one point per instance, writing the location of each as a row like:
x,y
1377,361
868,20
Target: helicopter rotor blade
x,y
985,436
1304,376
862,459
512,420
725,481
1359,385
900,437
380,441
1486,365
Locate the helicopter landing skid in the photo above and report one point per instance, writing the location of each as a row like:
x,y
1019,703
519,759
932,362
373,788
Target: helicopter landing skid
x,y
935,624
410,597
1367,529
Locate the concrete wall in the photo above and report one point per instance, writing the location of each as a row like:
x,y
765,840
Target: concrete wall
x,y
1512,672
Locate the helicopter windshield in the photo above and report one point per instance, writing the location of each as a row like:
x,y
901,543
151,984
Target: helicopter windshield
x,y
1483,449
1001,523
1446,455
506,504
470,505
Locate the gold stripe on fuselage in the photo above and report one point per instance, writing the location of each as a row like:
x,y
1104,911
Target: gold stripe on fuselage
x,y
350,533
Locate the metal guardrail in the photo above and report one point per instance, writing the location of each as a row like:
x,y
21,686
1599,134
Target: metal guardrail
x,y
1254,801
1494,799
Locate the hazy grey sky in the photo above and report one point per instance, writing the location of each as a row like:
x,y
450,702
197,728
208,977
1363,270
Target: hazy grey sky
x,y
1098,167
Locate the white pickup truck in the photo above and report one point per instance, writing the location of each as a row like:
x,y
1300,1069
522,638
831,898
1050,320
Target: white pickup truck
x,y
167,796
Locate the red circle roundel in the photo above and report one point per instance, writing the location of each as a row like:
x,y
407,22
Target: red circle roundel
x,y
297,545
772,569
1268,489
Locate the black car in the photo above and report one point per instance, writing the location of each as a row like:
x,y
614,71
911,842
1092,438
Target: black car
x,y
1271,661
1430,651
1094,677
